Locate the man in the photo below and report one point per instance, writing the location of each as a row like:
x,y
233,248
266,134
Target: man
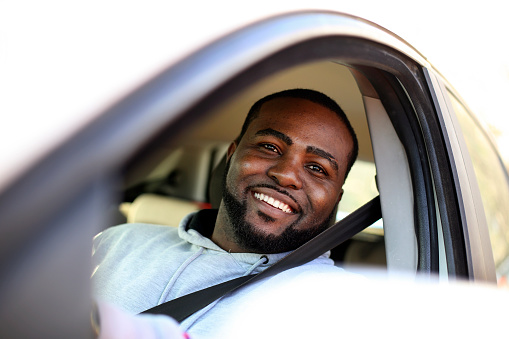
x,y
283,180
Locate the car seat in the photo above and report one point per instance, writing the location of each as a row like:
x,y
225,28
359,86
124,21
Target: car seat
x,y
158,209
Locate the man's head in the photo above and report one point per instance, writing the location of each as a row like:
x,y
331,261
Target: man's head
x,y
313,96
285,173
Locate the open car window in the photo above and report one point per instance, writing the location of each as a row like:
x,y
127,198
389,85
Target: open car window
x,y
174,176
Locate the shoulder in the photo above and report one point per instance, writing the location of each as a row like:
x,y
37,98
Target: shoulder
x,y
138,231
128,236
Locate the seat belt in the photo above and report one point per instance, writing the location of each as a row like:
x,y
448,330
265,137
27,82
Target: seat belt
x,y
182,307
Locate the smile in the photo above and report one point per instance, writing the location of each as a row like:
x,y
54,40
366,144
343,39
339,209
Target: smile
x,y
273,202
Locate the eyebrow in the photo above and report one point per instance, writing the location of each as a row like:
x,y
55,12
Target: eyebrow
x,y
310,149
323,154
281,136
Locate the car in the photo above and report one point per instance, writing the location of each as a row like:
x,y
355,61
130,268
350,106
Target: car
x,y
150,156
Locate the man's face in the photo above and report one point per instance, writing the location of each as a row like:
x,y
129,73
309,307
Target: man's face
x,y
286,175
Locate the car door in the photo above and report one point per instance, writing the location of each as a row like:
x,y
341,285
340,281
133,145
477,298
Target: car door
x,y
482,181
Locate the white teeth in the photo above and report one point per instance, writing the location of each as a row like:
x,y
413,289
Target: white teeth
x,y
273,202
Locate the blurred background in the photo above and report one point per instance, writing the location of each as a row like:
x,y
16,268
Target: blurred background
x,y
466,41
55,55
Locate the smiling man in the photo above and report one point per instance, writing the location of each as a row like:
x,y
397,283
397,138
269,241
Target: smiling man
x,y
285,173
282,183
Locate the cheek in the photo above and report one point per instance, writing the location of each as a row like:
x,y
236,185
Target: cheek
x,y
241,169
248,165
324,199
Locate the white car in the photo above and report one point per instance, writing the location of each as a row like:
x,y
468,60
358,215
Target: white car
x,y
149,156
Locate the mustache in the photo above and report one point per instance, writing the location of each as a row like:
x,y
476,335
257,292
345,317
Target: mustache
x,y
275,188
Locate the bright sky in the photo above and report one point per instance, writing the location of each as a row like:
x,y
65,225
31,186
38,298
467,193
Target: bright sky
x,y
56,55
466,41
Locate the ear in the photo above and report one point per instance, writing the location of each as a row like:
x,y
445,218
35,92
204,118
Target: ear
x,y
340,196
231,150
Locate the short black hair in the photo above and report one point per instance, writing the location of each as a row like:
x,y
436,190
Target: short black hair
x,y
313,96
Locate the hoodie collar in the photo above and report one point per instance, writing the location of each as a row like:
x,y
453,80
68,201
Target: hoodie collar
x,y
196,228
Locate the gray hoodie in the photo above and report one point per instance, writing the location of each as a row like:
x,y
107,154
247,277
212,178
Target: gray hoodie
x,y
139,266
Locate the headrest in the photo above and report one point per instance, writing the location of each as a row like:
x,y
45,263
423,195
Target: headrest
x,y
156,209
215,190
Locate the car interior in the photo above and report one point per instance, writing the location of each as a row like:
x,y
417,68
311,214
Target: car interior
x,y
179,175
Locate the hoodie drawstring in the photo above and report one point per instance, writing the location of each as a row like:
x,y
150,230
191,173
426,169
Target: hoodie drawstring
x,y
177,274
262,261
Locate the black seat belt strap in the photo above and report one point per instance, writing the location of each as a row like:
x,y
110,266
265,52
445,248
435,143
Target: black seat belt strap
x,y
183,307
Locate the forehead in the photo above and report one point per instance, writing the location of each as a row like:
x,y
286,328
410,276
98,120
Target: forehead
x,y
304,121
308,125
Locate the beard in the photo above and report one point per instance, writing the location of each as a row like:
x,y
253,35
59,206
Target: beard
x,y
246,235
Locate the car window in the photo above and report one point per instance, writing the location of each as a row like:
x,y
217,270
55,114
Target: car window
x,y
173,178
491,175
359,188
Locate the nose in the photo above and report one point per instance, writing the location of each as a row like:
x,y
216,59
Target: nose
x,y
286,173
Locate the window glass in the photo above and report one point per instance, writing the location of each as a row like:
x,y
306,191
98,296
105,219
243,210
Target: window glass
x,y
491,177
359,188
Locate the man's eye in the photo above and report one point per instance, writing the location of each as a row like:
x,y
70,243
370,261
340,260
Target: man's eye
x,y
270,148
316,168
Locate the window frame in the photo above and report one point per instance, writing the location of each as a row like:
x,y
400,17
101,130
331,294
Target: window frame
x,y
475,229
